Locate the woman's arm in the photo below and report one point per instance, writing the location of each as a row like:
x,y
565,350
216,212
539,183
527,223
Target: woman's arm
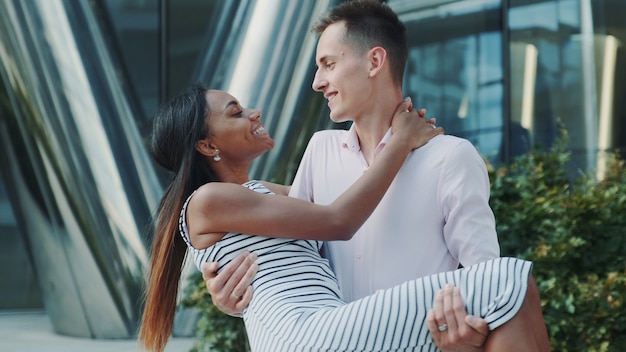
x,y
285,189
279,189
223,207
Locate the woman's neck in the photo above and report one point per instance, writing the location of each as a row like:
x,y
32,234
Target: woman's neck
x,y
231,173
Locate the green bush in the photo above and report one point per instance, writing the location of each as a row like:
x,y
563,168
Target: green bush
x,y
215,331
574,232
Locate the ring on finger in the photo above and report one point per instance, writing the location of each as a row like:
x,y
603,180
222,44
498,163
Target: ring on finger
x,y
443,327
233,295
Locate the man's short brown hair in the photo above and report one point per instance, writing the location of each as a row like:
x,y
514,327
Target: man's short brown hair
x,y
370,24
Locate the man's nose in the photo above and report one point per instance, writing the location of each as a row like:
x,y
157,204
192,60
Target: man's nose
x,y
318,82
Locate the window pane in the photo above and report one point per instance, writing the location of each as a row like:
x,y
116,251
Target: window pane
x,y
455,69
566,57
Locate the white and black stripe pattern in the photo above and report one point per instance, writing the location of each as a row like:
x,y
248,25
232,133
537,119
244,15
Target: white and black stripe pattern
x,y
297,304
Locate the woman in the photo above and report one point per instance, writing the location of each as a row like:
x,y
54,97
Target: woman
x,y
209,141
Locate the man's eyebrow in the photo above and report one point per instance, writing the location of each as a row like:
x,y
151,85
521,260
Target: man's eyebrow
x,y
321,60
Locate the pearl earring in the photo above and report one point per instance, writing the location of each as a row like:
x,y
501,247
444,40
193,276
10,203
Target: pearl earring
x,y
217,157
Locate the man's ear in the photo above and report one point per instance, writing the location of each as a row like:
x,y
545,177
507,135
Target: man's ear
x,y
205,148
378,57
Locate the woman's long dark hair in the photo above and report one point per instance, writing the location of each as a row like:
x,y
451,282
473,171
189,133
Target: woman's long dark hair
x,y
177,127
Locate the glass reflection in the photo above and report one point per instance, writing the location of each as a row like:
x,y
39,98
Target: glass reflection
x,y
455,69
576,59
81,183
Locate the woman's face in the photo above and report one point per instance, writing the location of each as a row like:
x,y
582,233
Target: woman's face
x,y
236,132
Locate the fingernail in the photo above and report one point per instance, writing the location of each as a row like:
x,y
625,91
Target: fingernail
x,y
253,256
407,99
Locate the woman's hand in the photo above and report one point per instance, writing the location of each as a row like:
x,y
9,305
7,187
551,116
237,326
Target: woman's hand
x,y
412,127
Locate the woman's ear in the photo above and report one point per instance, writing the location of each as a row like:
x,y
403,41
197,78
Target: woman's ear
x,y
205,148
378,57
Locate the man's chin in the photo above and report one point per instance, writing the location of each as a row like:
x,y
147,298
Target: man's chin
x,y
336,118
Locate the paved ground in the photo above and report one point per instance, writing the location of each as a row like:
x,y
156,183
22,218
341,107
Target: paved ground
x,y
32,332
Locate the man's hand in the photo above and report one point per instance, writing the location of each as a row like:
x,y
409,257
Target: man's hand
x,y
231,289
450,326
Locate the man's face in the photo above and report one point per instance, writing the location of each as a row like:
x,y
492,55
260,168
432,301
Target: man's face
x,y
342,75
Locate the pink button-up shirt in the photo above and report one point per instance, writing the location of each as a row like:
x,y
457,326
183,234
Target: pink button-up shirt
x,y
434,215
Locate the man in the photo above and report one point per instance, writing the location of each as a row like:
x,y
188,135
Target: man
x,y
434,216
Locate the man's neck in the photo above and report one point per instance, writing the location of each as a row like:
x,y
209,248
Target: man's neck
x,y
372,127
370,135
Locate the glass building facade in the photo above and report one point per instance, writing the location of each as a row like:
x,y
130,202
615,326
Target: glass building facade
x,y
80,81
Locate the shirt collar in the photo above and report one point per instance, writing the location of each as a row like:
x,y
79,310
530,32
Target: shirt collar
x,y
351,141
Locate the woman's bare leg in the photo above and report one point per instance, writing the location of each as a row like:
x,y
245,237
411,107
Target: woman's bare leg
x,y
527,331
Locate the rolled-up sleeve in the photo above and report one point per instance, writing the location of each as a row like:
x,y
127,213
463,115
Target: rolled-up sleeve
x,y
469,229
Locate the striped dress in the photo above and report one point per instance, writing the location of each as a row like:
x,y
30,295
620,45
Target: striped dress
x,y
297,304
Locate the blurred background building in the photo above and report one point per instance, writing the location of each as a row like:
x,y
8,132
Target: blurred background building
x,y
81,79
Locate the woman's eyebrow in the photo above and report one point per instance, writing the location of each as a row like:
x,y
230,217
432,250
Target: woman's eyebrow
x,y
232,102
